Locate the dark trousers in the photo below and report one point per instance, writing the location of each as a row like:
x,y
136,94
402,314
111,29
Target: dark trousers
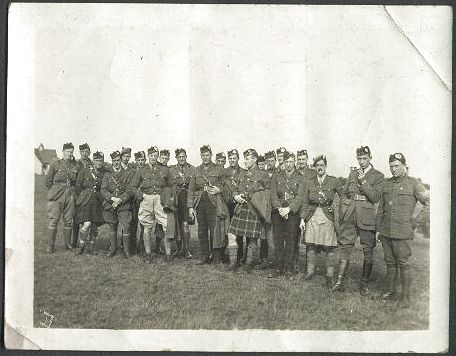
x,y
134,229
285,234
206,216
397,252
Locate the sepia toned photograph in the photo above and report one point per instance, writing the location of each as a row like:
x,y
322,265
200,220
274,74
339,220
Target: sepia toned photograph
x,y
228,177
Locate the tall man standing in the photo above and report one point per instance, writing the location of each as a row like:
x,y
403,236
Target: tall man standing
x,y
148,184
204,190
138,241
117,203
357,214
398,197
61,195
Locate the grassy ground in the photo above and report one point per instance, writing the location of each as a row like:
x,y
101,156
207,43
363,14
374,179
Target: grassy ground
x,y
98,292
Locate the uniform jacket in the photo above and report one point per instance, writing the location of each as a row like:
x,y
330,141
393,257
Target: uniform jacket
x,y
398,197
168,199
272,172
233,176
116,184
214,175
150,180
61,176
365,210
287,191
84,163
87,184
131,166
180,176
325,196
307,173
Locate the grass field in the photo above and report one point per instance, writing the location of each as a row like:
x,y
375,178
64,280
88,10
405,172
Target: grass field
x,y
99,292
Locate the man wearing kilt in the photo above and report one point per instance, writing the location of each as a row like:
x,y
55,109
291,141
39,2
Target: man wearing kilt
x,y
117,203
320,218
204,198
232,178
140,161
89,201
246,219
181,174
287,192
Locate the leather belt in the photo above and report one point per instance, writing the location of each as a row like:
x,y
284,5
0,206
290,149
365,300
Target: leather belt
x,y
321,205
359,197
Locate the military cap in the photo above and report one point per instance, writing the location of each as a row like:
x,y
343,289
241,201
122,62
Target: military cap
x,y
281,150
363,150
205,148
261,159
125,151
115,154
140,154
301,153
179,151
67,145
250,152
320,158
397,157
270,154
287,155
84,146
220,155
98,155
152,149
164,152
233,152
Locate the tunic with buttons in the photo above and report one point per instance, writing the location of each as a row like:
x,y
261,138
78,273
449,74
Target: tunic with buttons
x,y
307,173
246,221
150,179
116,184
180,181
397,203
84,163
89,199
211,174
287,191
61,178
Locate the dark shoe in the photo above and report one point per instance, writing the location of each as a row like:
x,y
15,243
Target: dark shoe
x,y
188,255
367,269
79,250
177,253
391,277
339,286
406,278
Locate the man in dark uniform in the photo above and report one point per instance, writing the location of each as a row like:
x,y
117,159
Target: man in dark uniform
x,y
261,163
148,184
246,219
287,193
181,174
164,157
83,162
271,162
302,167
125,156
60,181
220,159
117,203
232,178
138,241
205,185
357,213
280,160
398,197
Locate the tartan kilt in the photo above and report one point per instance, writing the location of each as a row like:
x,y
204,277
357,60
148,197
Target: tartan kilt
x,y
245,222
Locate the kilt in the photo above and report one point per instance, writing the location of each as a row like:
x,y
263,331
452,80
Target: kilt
x,y
246,222
91,211
182,210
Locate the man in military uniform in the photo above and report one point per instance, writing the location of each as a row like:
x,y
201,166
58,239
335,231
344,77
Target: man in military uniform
x,y
271,162
287,193
357,214
125,156
117,203
220,159
181,174
148,184
164,157
138,241
203,191
280,160
261,163
60,181
246,220
398,197
302,167
83,162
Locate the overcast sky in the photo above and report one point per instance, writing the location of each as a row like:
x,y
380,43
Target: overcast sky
x,y
327,79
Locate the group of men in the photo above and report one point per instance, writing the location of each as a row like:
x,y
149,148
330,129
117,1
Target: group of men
x,y
278,198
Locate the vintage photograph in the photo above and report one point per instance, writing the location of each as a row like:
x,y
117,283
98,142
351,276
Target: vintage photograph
x,y
228,177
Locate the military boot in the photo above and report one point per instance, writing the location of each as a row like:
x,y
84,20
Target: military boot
x,y
67,237
178,252
186,243
391,277
83,236
310,265
251,255
75,236
340,284
113,248
51,240
126,245
406,278
367,269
